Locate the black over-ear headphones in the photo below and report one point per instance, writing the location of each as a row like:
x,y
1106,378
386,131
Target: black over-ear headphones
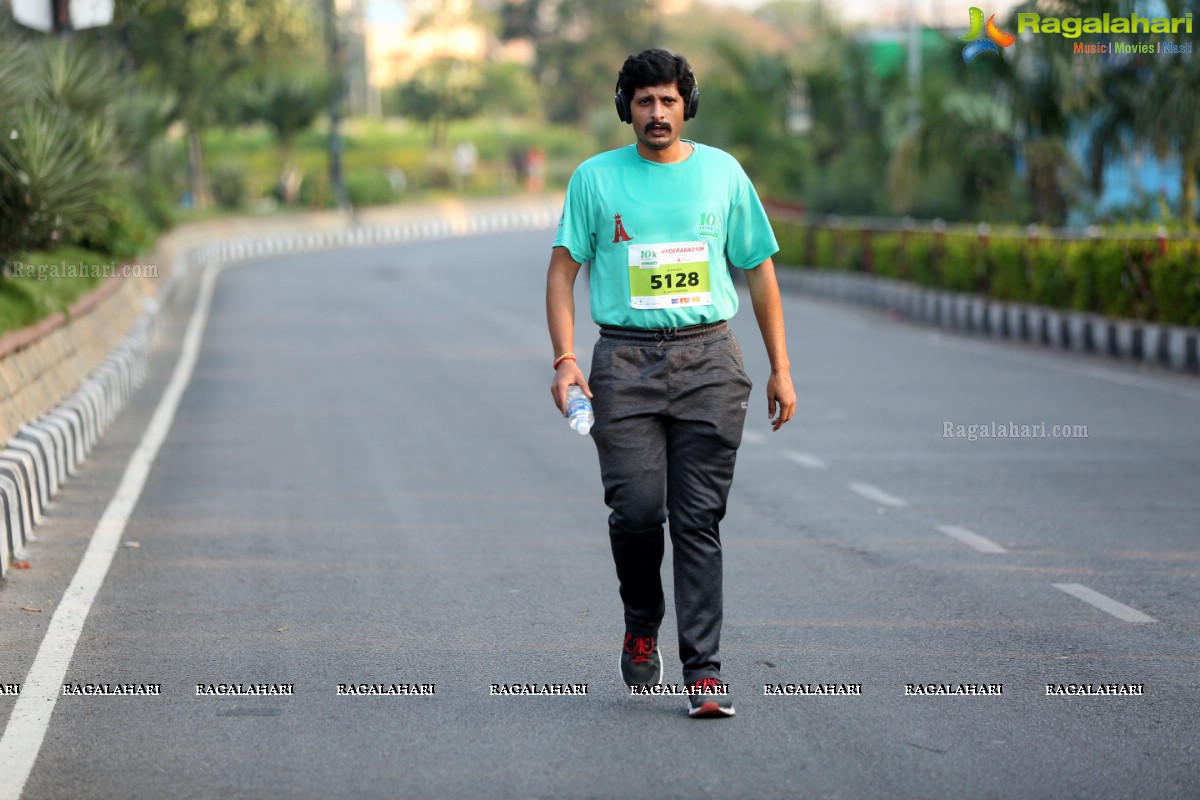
x,y
689,110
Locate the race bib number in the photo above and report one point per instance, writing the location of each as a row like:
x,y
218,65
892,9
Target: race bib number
x,y
669,275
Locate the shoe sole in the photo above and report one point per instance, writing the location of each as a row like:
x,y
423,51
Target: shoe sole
x,y
710,710
657,681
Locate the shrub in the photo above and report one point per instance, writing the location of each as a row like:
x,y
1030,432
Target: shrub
x,y
60,151
846,245
960,268
52,169
121,229
887,251
1049,283
369,189
1084,265
921,259
228,185
826,249
1175,282
1139,262
315,191
1114,293
1007,276
1119,278
792,239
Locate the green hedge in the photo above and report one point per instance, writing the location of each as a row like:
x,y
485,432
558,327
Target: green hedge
x,y
1127,278
887,254
1048,281
1175,285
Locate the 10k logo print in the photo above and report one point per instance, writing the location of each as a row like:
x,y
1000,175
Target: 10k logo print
x,y
984,39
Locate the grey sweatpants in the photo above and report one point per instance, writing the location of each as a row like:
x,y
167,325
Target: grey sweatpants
x,y
670,406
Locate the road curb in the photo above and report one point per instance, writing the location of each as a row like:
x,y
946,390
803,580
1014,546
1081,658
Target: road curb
x,y
1169,346
45,453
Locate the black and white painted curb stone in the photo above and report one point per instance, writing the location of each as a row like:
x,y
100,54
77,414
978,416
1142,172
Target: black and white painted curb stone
x,y
1171,346
46,452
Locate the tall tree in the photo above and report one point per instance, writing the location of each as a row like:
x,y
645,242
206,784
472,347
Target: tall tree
x,y
196,48
749,98
581,44
1167,113
443,90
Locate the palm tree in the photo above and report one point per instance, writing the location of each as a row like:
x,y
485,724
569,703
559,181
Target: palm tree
x,y
288,100
1167,114
956,161
751,92
1139,101
1043,79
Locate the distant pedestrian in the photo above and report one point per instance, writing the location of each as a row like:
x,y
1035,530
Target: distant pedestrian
x,y
535,169
397,180
465,157
659,220
517,160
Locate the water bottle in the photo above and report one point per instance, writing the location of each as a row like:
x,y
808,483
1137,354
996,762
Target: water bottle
x,y
579,410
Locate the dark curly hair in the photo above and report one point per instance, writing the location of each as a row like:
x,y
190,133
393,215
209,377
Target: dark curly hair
x,y
655,67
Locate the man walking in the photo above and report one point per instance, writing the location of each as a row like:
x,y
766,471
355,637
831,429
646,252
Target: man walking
x,y
659,220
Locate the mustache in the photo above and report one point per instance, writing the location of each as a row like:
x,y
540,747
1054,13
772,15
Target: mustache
x,y
657,126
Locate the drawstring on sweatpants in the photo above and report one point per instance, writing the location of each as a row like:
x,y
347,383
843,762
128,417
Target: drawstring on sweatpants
x,y
677,335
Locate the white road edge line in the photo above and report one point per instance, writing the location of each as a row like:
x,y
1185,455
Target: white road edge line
x,y
30,718
878,495
971,538
804,459
751,437
1106,604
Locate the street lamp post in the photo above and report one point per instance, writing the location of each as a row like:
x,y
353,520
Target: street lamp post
x,y
337,63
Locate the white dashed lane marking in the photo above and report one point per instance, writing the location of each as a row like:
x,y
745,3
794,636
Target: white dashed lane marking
x,y
804,459
750,437
878,495
1104,603
971,539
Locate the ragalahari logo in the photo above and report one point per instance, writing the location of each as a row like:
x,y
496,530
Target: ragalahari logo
x,y
983,39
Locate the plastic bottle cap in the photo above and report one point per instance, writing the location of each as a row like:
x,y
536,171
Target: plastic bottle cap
x,y
583,429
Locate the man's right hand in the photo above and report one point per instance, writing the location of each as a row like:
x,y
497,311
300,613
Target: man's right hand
x,y
568,373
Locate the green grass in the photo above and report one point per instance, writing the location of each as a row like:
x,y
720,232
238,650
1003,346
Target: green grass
x,y
374,148
33,291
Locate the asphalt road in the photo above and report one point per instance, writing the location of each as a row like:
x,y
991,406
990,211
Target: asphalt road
x,y
366,482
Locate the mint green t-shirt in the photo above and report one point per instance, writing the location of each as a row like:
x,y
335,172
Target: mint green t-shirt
x,y
659,236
